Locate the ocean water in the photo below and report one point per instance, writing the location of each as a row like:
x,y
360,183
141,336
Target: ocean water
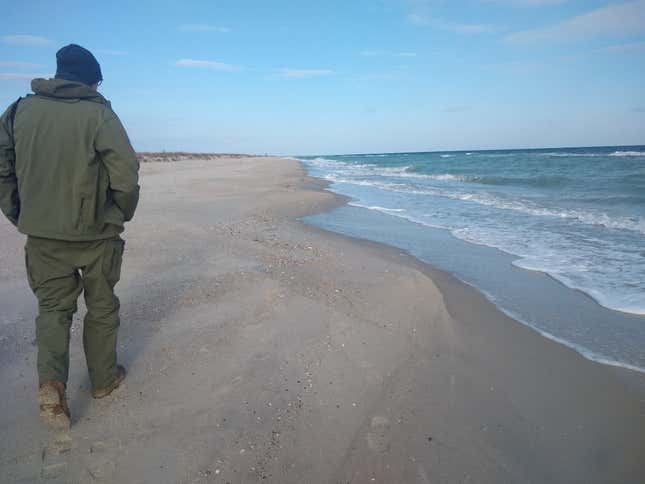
x,y
574,214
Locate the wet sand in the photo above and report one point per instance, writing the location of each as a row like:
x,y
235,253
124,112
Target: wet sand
x,y
261,349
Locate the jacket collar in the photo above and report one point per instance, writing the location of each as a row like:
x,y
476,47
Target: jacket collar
x,y
63,89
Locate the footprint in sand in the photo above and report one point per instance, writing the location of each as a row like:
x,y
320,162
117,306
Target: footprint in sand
x,y
53,456
378,438
99,464
60,444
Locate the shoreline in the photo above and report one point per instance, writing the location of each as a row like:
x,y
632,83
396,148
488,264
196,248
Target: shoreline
x,y
260,347
432,270
515,314
550,220
579,290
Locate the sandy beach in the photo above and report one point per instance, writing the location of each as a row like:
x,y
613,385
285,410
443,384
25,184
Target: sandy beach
x,y
261,349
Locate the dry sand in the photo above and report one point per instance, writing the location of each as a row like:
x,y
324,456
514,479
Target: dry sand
x,y
263,350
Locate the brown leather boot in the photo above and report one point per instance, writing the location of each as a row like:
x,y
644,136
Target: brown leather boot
x,y
104,392
54,411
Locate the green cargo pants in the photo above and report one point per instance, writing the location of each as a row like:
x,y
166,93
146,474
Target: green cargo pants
x,y
58,271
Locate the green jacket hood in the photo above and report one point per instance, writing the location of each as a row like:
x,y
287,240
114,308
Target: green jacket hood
x,y
64,89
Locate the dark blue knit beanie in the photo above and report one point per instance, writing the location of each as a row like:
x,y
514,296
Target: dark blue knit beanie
x,y
74,63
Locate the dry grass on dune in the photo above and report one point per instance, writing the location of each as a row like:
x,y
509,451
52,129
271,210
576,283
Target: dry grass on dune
x,y
168,156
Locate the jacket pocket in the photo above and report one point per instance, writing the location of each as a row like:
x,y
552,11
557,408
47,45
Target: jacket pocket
x,y
112,258
80,215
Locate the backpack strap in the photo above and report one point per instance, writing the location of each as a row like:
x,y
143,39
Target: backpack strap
x,y
12,114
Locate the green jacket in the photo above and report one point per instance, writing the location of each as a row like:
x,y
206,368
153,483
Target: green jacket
x,y
67,169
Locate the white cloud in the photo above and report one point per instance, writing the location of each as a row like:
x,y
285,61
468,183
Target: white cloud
x,y
419,19
469,29
203,28
302,73
465,29
613,19
528,3
621,48
20,76
25,40
207,64
20,65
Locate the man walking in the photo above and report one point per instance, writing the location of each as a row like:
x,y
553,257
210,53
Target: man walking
x,y
69,181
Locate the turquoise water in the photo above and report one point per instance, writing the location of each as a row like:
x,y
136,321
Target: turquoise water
x,y
576,214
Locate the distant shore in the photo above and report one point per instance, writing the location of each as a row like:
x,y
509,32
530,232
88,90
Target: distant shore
x,y
260,348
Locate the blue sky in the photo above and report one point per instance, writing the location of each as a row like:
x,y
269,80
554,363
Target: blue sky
x,y
320,77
